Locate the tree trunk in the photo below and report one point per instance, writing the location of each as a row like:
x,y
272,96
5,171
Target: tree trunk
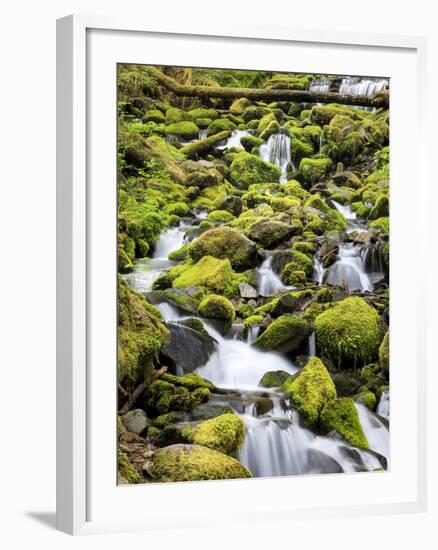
x,y
267,94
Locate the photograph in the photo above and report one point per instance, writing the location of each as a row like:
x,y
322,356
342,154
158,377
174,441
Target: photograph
x,y
253,295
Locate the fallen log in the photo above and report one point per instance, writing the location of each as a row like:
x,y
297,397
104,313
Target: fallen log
x,y
267,94
193,149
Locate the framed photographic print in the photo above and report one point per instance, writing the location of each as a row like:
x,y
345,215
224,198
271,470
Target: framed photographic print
x,y
234,322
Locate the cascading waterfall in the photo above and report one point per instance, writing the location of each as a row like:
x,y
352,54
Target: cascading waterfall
x,y
268,282
383,406
202,134
234,139
320,85
318,271
146,272
239,366
362,86
375,430
348,270
277,151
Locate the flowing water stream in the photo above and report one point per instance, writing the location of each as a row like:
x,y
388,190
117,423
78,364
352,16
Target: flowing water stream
x,y
277,151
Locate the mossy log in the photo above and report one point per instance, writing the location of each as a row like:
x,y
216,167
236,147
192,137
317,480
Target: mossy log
x,y
193,149
266,94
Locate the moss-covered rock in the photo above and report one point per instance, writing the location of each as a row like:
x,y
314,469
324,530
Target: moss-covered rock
x,y
381,225
194,463
348,333
202,112
340,415
367,398
217,307
212,273
384,353
225,242
220,125
223,433
239,105
247,169
127,471
178,209
269,232
324,296
314,170
140,336
284,334
173,115
249,142
311,390
154,115
184,129
274,379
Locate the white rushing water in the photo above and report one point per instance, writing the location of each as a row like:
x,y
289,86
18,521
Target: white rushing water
x,y
146,272
383,406
277,151
234,139
348,270
237,365
321,85
375,430
268,282
202,134
362,86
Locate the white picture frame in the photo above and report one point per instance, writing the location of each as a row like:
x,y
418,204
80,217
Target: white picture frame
x,y
77,294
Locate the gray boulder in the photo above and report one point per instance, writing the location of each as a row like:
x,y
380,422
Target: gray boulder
x,y
136,421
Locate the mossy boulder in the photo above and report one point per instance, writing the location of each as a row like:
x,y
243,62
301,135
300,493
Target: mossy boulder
x,y
247,169
178,209
311,390
348,334
217,307
239,105
127,471
220,125
202,112
384,353
249,142
314,170
220,216
274,379
340,415
223,433
194,463
285,334
212,273
225,242
381,225
173,115
380,209
154,115
163,397
269,232
141,334
367,398
184,129
325,113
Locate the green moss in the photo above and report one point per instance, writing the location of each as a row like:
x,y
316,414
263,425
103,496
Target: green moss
x,y
348,333
285,204
192,150
314,170
305,247
253,320
380,209
285,333
225,242
194,463
384,353
294,189
293,275
153,116
274,379
178,209
381,224
341,415
361,209
249,142
247,169
140,336
303,261
180,254
217,307
191,381
367,398
174,115
300,149
211,273
202,112
324,114
184,129
311,390
324,296
221,216
239,105
223,433
220,125
126,470
285,81
329,220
